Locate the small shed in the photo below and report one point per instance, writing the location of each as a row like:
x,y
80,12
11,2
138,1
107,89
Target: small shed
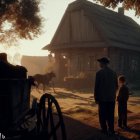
x,y
89,31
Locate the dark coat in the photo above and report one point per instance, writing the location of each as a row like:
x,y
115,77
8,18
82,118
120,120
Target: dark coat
x,y
106,85
123,94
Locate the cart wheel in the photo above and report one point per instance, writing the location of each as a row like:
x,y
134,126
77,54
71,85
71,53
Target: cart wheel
x,y
49,118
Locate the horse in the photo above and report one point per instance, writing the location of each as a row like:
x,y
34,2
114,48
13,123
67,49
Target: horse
x,y
43,79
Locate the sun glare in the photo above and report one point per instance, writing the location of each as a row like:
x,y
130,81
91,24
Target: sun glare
x,y
6,25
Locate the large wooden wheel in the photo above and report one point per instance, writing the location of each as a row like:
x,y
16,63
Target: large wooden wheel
x,y
50,119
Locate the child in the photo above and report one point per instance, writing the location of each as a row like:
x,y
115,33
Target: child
x,y
122,98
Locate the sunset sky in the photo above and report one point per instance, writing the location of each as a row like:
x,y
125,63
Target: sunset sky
x,y
52,11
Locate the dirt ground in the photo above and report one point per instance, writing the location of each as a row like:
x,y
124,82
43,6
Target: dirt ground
x,y
80,115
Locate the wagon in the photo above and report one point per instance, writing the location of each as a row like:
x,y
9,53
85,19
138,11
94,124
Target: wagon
x,y
18,120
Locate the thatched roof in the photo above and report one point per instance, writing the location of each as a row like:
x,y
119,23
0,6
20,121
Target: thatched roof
x,y
117,29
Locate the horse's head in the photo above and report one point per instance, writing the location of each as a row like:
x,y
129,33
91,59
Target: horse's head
x,y
48,77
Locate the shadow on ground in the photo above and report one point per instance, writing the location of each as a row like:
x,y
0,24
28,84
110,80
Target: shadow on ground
x,y
77,130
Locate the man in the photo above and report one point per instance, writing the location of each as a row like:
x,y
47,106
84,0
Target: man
x,y
105,95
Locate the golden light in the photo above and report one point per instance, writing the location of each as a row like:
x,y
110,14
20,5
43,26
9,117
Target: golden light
x,y
6,25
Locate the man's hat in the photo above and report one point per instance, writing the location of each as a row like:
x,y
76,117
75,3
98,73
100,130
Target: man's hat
x,y
104,60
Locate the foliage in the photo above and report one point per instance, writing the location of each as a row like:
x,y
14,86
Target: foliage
x,y
127,4
19,19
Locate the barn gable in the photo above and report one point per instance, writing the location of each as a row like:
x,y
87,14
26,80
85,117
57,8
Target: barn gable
x,y
76,27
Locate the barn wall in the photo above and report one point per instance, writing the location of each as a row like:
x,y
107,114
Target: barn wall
x,y
78,62
126,62
84,61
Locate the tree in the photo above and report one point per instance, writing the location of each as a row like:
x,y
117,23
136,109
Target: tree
x,y
127,4
19,19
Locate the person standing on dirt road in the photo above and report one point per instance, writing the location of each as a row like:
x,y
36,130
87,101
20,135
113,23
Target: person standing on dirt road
x,y
122,98
105,94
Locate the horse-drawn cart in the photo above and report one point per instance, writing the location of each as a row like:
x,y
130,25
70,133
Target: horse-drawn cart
x,y
15,111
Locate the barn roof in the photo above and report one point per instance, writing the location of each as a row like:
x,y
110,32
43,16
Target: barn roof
x,y
117,29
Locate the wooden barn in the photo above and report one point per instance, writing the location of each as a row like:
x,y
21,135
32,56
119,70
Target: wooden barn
x,y
89,31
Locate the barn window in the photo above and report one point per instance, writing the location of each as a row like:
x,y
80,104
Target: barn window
x,y
134,64
80,63
129,63
92,63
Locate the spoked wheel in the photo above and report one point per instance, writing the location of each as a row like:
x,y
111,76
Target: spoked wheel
x,y
50,119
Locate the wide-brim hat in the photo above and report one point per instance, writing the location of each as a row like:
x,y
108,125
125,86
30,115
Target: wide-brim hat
x,y
104,60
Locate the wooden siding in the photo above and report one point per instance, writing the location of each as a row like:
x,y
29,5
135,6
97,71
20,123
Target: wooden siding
x,y
77,62
84,61
63,34
82,28
125,62
76,27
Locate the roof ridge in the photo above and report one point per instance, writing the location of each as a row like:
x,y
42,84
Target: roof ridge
x,y
91,4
